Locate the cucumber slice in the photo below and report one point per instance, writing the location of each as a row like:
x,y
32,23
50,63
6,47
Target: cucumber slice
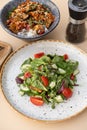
x,y
62,71
50,100
54,66
25,67
34,92
38,96
21,92
23,88
59,99
76,72
52,84
71,82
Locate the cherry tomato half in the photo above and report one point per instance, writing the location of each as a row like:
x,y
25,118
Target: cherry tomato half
x,y
27,75
38,55
65,56
37,101
67,92
45,80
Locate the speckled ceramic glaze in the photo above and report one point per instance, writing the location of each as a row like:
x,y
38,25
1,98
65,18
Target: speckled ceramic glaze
x,y
14,3
22,104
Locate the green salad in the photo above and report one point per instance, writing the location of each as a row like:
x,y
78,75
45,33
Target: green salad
x,y
48,78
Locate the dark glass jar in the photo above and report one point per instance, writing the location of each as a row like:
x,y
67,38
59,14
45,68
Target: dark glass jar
x,y
75,33
76,29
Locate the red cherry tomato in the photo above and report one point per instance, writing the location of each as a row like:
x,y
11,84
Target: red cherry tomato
x,y
72,76
38,55
45,80
37,101
67,92
27,75
65,56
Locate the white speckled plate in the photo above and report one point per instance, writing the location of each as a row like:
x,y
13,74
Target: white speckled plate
x,y
65,110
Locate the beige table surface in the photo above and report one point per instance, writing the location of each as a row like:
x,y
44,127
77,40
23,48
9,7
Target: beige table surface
x,y
12,120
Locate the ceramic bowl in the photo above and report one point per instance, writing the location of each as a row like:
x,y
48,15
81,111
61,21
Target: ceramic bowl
x,y
14,3
64,110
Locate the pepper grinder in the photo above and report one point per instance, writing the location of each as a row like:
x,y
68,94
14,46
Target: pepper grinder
x,y
76,29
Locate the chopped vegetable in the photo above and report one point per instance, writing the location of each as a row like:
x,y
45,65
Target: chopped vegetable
x,y
37,101
67,92
45,80
48,78
38,55
59,99
65,56
19,80
27,75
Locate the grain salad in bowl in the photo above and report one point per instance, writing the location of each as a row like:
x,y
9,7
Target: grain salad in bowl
x,y
30,19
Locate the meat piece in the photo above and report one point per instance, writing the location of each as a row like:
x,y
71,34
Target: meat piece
x,y
39,29
49,19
